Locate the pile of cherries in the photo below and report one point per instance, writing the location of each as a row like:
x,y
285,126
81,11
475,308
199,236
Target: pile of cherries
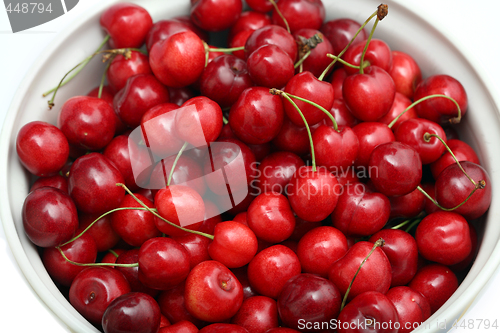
x,y
307,178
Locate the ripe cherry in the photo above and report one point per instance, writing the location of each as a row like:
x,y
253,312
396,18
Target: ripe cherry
x,y
56,181
412,308
102,232
377,54
335,150
121,69
405,72
163,29
257,314
340,32
275,35
214,15
269,59
276,170
370,135
131,273
461,150
300,14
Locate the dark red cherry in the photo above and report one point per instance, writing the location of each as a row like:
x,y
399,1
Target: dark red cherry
x,y
300,14
257,314
102,232
163,29
121,68
197,247
401,102
317,60
408,205
132,273
276,170
275,35
216,15
269,66
412,308
239,40
334,150
56,181
223,328
293,138
181,95
405,72
370,135
107,94
262,6
339,33
377,54
173,307
249,20
461,150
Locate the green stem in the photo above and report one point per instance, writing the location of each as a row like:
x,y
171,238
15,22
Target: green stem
x,y
298,63
113,253
96,264
325,111
280,15
224,120
226,50
417,221
361,62
402,224
342,61
175,162
103,78
480,185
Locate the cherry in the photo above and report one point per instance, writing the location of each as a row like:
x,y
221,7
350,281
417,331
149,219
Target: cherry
x,y
92,184
56,181
271,268
212,292
276,170
94,288
408,205
179,60
461,150
163,263
182,326
436,282
223,328
42,148
401,250
300,14
111,255
212,217
172,305
275,35
405,72
239,40
462,265
142,92
335,150
102,232
398,168
260,150
249,20
400,104
257,314
197,247
377,54
262,6
340,32
316,61
121,68
49,217
319,248
216,15
370,135
132,273
443,237
271,217
269,59
127,24
107,94
341,113
412,308
308,298
132,312
293,138
180,95
163,29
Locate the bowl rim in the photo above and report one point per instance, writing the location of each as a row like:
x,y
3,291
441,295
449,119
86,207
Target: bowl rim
x,y
453,310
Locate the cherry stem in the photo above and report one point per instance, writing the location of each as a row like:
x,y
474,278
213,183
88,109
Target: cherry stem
x,y
113,253
480,185
275,91
226,50
457,119
380,242
417,221
361,62
96,264
175,162
279,13
224,120
82,64
335,125
327,69
299,63
154,212
101,86
343,62
402,224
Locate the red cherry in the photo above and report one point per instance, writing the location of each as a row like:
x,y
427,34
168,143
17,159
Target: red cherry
x,y
102,232
239,40
269,59
56,181
121,68
461,150
276,170
401,102
317,60
405,72
257,314
42,148
377,54
249,20
216,15
275,35
408,205
181,95
262,6
370,135
107,94
339,33
223,328
163,29
182,326
341,113
172,305
197,247
462,265
412,308
334,150
300,14
132,273
293,138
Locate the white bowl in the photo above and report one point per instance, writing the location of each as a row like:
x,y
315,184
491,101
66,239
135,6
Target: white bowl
x,y
403,29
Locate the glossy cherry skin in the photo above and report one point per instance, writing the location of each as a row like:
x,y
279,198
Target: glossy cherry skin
x,y
94,288
223,328
216,15
276,170
378,54
312,194
82,250
401,102
300,14
317,60
339,33
102,232
436,282
49,217
92,184
271,217
334,150
142,92
163,263
127,24
234,244
464,264
408,205
401,250
224,79
182,326
134,226
412,308
132,273
453,187
307,86
319,248
369,96
122,68
239,40
461,150
181,95
262,6
257,116
179,60
56,181
370,135
405,72
439,109
337,80
443,237
360,212
309,298
257,314
107,94
370,306
269,66
197,247
271,268
173,307
272,34
249,20
163,29
132,312
398,168
42,148
212,292
375,275
412,131
293,138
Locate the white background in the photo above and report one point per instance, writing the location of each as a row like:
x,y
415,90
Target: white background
x,y
472,23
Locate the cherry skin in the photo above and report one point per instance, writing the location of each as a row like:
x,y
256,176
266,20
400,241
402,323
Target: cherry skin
x,y
461,150
341,113
399,168
453,187
436,282
107,94
271,217
369,96
122,68
212,292
317,60
401,102
339,33
276,170
223,328
127,24
249,20
408,205
110,257
197,247
102,232
49,217
300,14
405,72
462,265
412,308
370,135
92,184
269,66
163,263
319,248
173,307
234,244
216,15
224,79
312,194
182,326
293,138
271,268
239,40
375,275
132,273
257,116
181,95
334,150
163,29
401,250
262,6
42,148
56,181
94,288
309,298
257,314
275,35
378,54
443,237
132,312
